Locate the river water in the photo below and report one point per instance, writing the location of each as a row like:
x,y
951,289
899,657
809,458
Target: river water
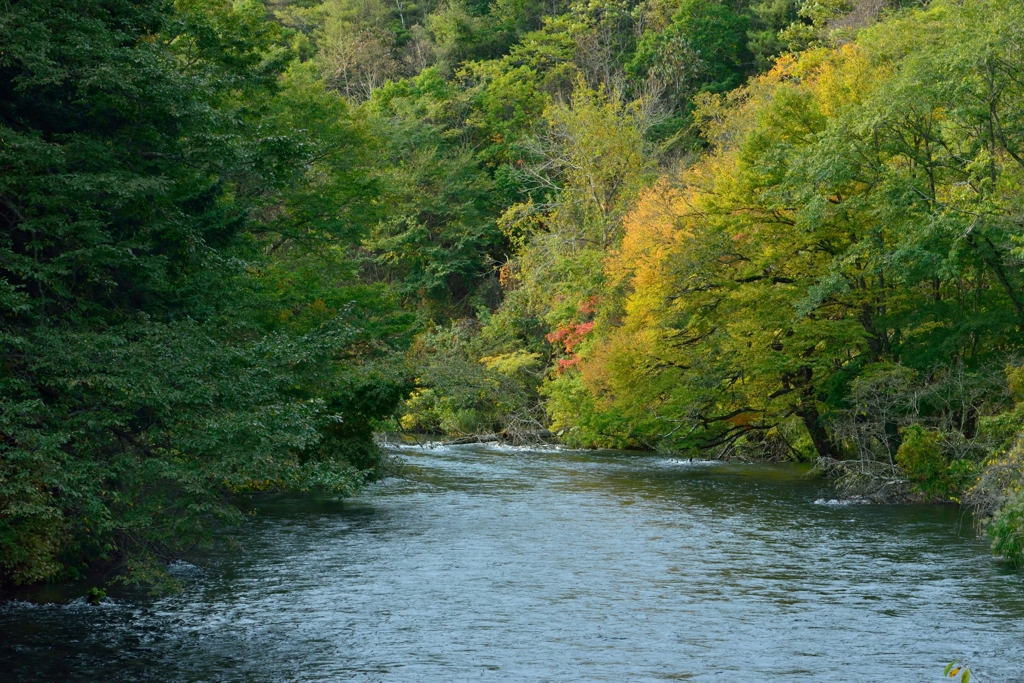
x,y
491,564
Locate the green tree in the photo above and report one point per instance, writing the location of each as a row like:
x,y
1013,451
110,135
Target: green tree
x,y
158,164
704,48
438,241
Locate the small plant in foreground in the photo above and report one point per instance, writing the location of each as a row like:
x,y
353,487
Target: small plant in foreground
x,y
955,668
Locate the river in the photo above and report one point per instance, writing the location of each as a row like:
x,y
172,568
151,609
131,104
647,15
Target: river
x,y
501,564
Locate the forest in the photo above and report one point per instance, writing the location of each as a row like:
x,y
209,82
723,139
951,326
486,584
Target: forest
x,y
242,239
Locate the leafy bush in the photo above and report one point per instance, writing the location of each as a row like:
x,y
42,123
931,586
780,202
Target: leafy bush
x,y
921,459
462,391
1006,529
998,500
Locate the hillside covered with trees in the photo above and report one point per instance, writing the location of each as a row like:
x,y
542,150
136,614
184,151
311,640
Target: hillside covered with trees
x,y
242,238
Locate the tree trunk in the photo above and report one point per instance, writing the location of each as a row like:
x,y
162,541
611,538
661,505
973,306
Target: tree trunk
x,y
820,437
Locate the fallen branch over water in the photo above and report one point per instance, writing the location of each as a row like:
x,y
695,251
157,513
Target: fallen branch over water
x,y
472,438
515,437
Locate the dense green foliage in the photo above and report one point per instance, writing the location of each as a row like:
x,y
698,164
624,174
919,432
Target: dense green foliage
x,y
180,320
240,237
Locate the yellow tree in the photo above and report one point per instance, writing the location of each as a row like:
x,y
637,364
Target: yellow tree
x,y
856,215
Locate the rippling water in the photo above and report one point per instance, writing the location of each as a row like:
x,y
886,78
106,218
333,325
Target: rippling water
x,y
514,565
